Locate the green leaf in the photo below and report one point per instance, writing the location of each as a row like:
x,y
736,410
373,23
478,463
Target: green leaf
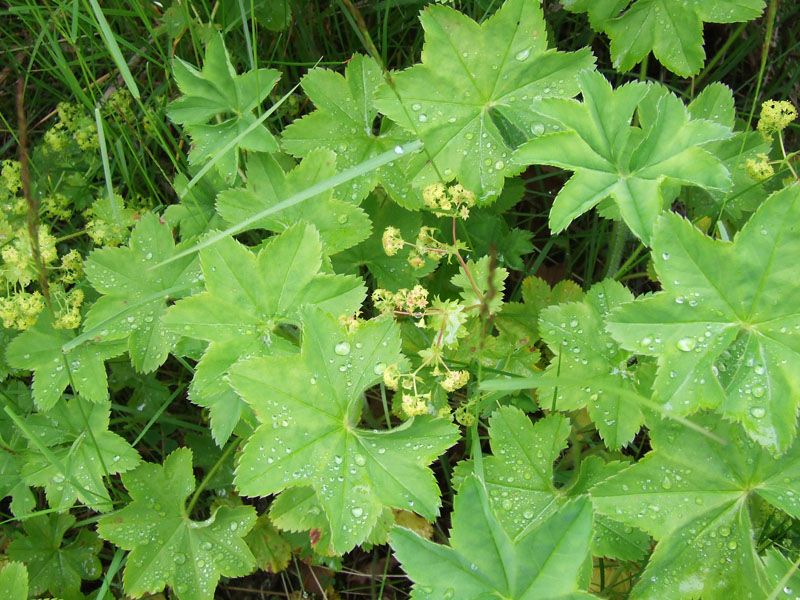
x,y
77,434
519,480
778,566
475,80
14,582
482,561
488,278
340,224
589,357
17,396
671,29
612,158
520,320
196,212
723,341
275,15
693,495
166,546
135,296
272,552
310,408
217,91
83,367
54,567
390,272
343,123
249,296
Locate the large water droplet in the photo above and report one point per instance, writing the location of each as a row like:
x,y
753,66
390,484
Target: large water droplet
x,y
357,512
758,412
342,348
523,54
360,460
686,344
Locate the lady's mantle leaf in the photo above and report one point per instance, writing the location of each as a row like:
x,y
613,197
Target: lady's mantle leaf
x,y
470,99
591,366
248,297
726,328
612,158
135,296
166,546
344,123
340,224
39,349
483,562
310,406
672,29
87,454
14,582
693,494
55,568
519,480
218,90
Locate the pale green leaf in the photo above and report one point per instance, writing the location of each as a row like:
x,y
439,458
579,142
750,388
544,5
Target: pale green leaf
x,y
166,546
726,328
135,296
14,582
271,551
482,561
612,158
76,432
340,224
217,91
484,285
310,409
56,565
248,297
83,367
470,99
343,122
693,495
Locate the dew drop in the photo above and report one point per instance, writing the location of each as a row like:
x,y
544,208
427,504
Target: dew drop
x,y
686,344
758,412
342,348
523,54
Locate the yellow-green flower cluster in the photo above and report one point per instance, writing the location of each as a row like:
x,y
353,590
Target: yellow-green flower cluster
x,y
120,104
18,265
10,185
71,267
775,116
79,125
21,310
452,201
455,380
56,206
416,404
392,241
69,315
103,227
413,301
759,168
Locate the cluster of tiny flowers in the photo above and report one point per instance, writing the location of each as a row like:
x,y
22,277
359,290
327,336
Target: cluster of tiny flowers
x,y
79,124
56,206
69,315
413,301
10,184
71,267
455,380
464,416
759,168
103,228
21,310
775,116
18,263
452,201
416,404
350,322
392,241
120,104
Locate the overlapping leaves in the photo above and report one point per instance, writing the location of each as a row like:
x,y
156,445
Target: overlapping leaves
x,y
344,122
248,297
135,292
310,406
470,99
482,561
693,494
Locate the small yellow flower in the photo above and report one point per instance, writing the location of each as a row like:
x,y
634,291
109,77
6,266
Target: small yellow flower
x,y
759,168
775,116
415,260
455,380
391,376
416,405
